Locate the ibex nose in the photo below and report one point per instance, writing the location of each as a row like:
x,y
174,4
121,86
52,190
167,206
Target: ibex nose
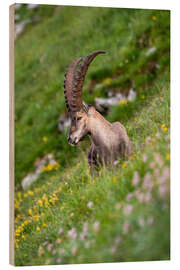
x,y
69,140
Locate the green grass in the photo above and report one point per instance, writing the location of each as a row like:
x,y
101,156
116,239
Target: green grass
x,y
60,198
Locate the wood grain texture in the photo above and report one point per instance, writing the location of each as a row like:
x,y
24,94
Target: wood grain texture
x,y
11,135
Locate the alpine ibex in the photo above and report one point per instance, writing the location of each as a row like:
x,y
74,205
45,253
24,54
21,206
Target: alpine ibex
x,y
109,140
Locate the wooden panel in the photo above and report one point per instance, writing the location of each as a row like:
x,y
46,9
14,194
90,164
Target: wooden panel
x,y
11,135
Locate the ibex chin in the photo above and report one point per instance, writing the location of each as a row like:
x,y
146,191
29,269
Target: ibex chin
x,y
109,140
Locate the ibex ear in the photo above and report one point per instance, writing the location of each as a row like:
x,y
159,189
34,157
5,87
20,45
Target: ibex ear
x,y
91,110
85,107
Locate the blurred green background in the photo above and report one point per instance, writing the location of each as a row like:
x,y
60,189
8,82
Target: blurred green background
x,y
137,42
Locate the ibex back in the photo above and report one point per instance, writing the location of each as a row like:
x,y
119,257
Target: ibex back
x,y
109,140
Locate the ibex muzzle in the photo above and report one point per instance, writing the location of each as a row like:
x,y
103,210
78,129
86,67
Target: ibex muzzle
x,y
109,140
79,127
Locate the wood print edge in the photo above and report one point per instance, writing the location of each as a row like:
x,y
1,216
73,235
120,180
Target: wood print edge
x,y
11,135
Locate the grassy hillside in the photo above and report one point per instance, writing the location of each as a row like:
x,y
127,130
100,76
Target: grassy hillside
x,y
68,216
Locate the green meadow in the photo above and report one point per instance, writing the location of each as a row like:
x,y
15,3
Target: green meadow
x,y
68,215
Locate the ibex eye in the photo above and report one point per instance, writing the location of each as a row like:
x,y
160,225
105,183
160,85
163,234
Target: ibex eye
x,y
79,118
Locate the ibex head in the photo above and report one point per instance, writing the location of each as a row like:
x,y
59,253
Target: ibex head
x,y
78,110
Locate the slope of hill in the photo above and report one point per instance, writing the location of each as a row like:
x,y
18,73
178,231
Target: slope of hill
x,y
69,216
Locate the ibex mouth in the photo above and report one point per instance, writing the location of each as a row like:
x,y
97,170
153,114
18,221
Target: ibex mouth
x,y
73,143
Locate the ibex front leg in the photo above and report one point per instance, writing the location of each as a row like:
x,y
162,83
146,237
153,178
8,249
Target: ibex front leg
x,y
92,158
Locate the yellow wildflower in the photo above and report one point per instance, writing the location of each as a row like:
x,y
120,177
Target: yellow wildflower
x,y
18,216
136,119
30,192
30,211
55,198
142,97
44,197
38,229
94,181
124,165
44,225
19,195
16,244
168,156
40,203
108,81
44,139
154,18
52,201
49,167
17,204
46,204
26,222
60,188
164,127
23,237
123,101
43,169
114,179
40,251
21,229
36,217
17,230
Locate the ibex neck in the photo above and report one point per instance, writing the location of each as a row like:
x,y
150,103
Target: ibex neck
x,y
99,129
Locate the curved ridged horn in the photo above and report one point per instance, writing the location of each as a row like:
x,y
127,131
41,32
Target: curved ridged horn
x,y
74,80
68,82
